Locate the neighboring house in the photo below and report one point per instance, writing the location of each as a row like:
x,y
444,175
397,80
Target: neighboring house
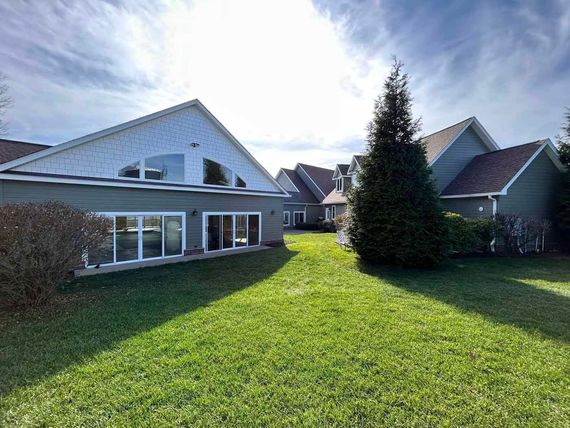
x,y
175,183
308,186
475,177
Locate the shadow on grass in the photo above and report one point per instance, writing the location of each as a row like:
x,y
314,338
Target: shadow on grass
x,y
120,306
496,289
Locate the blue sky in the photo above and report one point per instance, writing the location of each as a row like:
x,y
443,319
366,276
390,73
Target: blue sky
x,y
293,81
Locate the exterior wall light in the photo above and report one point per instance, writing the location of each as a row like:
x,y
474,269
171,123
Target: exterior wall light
x,y
195,212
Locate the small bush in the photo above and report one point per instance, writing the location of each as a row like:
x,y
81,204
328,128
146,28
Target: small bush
x,y
40,243
327,226
468,235
520,235
307,226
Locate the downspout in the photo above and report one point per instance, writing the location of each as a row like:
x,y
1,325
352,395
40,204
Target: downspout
x,y
494,241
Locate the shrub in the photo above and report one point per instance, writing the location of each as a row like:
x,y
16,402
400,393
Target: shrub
x,y
520,235
307,226
468,235
40,243
327,226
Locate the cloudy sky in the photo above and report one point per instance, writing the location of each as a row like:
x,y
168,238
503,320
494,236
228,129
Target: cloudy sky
x,y
293,80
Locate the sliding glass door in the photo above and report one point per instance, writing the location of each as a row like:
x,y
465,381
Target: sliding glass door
x,y
141,237
224,231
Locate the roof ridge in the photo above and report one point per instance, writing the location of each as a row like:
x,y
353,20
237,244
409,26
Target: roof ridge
x,y
542,141
314,166
447,127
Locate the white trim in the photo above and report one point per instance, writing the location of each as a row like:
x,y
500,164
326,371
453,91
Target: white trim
x,y
482,132
341,179
126,125
471,195
287,177
327,213
300,212
142,169
145,185
333,212
288,218
233,214
557,163
139,215
354,162
310,178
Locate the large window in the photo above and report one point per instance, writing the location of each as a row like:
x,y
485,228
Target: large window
x,y
224,231
219,175
162,168
141,236
339,185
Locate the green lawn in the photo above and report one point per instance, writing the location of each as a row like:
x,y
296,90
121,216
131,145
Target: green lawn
x,y
303,335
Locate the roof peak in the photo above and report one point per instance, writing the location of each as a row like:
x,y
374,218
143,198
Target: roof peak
x,y
448,127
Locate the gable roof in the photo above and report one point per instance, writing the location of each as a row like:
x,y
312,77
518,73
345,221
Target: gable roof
x,y
126,125
322,177
437,143
304,195
355,162
341,169
12,149
494,172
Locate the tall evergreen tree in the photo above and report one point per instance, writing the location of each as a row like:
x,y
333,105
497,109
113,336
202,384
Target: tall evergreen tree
x,y
395,213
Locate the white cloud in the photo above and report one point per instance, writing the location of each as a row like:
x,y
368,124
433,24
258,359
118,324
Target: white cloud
x,y
272,72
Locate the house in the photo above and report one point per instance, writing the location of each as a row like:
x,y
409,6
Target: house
x,y
475,177
175,182
308,186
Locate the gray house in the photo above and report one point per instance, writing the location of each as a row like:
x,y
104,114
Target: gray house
x,y
475,177
175,183
307,186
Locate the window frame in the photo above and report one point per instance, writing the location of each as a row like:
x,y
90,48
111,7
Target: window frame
x,y
113,215
341,180
233,214
304,217
233,178
327,213
142,171
333,212
288,218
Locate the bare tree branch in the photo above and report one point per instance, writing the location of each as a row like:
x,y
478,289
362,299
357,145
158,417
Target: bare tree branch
x,y
5,102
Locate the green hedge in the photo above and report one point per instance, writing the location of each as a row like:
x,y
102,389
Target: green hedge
x,y
468,235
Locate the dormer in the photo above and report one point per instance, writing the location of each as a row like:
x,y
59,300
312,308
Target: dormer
x,y
341,178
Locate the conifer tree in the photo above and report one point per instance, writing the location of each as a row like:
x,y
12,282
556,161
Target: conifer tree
x,y
395,214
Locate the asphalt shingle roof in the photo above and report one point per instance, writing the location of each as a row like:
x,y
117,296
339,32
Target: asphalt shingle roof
x,y
11,149
334,198
437,141
490,172
304,196
343,168
323,177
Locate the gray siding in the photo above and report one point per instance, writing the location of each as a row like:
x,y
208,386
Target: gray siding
x,y
465,148
307,180
535,192
313,212
468,207
102,199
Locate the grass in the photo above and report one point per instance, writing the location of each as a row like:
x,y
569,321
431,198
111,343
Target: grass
x,y
298,336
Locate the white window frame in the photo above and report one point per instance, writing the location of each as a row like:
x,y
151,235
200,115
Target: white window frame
x,y
327,213
233,214
288,218
139,216
299,212
341,185
333,212
142,169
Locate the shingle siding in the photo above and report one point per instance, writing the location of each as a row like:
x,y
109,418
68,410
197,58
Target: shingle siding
x,y
111,199
456,157
469,207
172,133
535,192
